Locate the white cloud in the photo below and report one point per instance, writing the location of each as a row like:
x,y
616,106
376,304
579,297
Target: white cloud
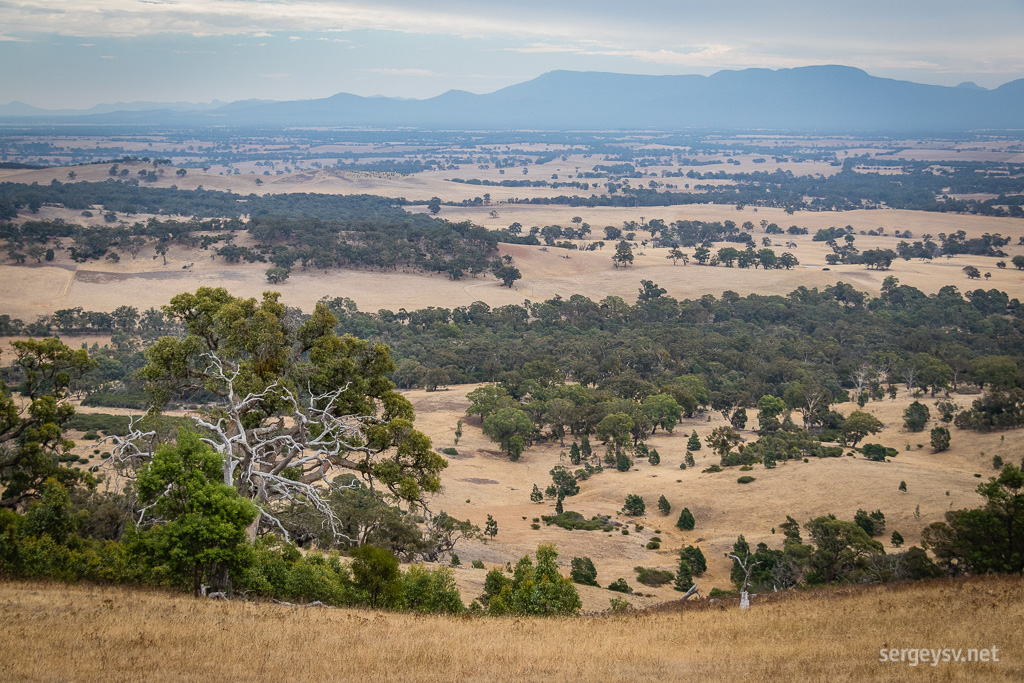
x,y
123,18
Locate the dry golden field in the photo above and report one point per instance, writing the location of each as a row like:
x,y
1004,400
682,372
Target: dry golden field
x,y
88,633
32,290
481,481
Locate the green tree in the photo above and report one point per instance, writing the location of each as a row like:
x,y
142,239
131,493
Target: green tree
x,y
634,505
686,522
858,425
623,255
897,539
916,416
662,411
693,444
491,527
722,440
940,439
32,443
694,557
536,496
615,428
564,481
664,507
434,205
201,537
509,427
487,399
675,254
583,571
987,539
375,573
684,575
842,550
277,275
996,372
507,273
623,463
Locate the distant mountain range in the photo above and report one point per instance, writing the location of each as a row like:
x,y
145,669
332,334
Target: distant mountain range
x,y
815,98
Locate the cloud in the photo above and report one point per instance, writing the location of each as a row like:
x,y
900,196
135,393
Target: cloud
x,y
129,18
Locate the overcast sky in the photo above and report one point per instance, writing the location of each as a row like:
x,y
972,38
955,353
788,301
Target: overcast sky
x,y
77,53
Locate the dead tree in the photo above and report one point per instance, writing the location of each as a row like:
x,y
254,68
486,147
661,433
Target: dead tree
x,y
287,457
747,566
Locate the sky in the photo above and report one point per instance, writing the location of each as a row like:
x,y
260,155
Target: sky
x,y
78,53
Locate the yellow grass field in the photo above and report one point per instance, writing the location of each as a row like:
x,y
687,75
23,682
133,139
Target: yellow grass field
x,y
481,481
88,633
38,289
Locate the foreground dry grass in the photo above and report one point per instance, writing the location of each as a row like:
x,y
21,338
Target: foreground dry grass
x,y
83,633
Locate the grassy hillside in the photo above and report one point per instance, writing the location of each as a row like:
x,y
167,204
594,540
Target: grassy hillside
x,y
88,633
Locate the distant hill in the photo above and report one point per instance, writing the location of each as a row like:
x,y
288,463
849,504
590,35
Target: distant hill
x,y
815,98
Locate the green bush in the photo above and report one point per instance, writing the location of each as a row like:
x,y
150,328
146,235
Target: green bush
x,y
449,451
745,479
623,462
653,577
538,590
99,422
877,452
432,592
573,520
620,586
653,545
376,576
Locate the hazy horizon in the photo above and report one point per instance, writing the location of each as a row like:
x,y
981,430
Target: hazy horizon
x,y
107,51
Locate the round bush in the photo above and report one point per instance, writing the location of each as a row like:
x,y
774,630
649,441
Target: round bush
x,y
745,479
